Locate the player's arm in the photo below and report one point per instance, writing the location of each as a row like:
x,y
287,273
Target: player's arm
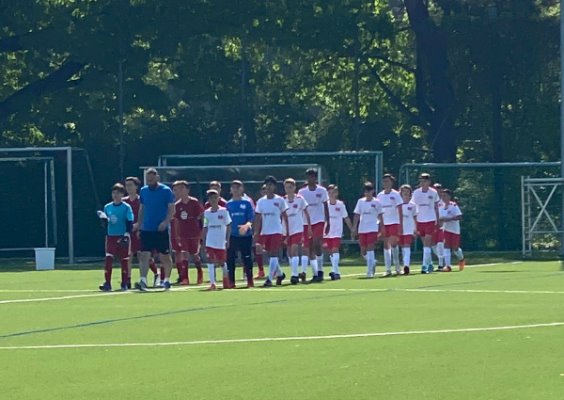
x,y
258,225
436,212
129,221
327,218
354,230
308,221
169,217
141,215
349,223
285,220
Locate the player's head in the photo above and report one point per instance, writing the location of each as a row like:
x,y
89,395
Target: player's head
x,y
270,183
290,186
368,189
438,187
333,192
311,176
446,195
215,185
132,184
406,191
118,191
237,188
388,181
425,180
152,177
181,189
213,197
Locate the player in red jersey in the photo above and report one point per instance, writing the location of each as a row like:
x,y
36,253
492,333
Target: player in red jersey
x,y
188,230
132,185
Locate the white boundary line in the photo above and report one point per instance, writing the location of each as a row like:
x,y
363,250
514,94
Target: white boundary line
x,y
284,339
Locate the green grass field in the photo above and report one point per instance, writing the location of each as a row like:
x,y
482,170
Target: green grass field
x,y
490,332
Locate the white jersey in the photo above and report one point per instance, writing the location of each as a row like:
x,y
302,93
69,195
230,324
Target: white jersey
x,y
271,211
337,212
296,219
390,202
369,210
450,211
216,222
315,200
408,212
426,202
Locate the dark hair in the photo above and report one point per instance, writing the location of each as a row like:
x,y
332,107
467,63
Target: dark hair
x,y
181,183
390,177
151,171
119,187
136,181
368,186
270,179
406,186
311,171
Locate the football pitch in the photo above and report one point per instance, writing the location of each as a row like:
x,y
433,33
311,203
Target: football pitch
x,y
490,332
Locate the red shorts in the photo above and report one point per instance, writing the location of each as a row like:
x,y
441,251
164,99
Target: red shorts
x,y
452,240
189,245
391,230
271,243
296,238
316,233
215,256
116,249
405,240
135,243
332,243
367,239
439,236
426,228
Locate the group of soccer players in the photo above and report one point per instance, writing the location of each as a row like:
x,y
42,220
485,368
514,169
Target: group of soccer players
x,y
152,220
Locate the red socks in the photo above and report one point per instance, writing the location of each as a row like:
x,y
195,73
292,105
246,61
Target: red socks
x,y
153,267
125,271
108,265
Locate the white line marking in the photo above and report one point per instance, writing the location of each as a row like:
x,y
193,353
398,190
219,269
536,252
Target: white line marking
x,y
78,296
286,339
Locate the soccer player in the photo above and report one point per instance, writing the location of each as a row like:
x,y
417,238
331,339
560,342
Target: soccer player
x,y
216,235
332,240
188,217
241,241
439,235
427,200
155,213
449,218
366,222
269,213
390,200
298,219
258,250
216,185
316,197
408,223
119,216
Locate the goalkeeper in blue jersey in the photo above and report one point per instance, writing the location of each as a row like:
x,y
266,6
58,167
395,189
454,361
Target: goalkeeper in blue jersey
x,y
119,218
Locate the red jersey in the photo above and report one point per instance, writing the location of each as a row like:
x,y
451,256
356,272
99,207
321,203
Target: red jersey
x,y
134,205
187,218
222,203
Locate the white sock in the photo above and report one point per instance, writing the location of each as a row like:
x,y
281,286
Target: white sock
x,y
314,266
225,270
447,257
278,268
211,273
427,260
294,264
144,280
320,263
371,262
335,258
406,252
395,257
459,254
305,262
272,266
166,280
441,253
388,259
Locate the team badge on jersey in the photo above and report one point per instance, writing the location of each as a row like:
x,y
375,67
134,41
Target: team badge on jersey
x,y
337,208
318,195
430,197
113,219
220,217
183,215
295,206
243,206
373,205
275,204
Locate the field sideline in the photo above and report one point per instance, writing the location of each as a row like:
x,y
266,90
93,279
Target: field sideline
x,y
491,332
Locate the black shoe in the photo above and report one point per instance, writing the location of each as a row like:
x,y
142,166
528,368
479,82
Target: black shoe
x,y
332,276
320,276
315,279
406,270
267,283
279,279
302,276
294,280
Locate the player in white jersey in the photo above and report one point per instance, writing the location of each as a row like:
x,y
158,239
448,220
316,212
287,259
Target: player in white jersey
x,y
427,200
367,219
439,235
332,240
299,226
317,198
215,236
408,212
449,217
270,213
390,200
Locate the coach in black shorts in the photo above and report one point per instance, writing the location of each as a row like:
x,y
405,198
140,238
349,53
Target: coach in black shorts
x,y
155,213
242,216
